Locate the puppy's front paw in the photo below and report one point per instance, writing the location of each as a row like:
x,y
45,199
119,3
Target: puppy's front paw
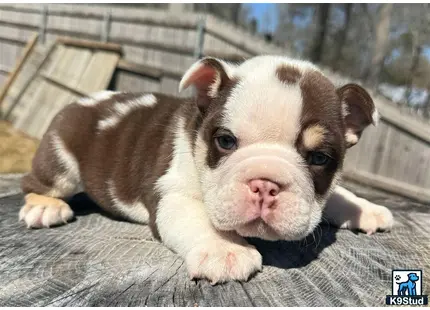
x,y
42,211
374,217
221,261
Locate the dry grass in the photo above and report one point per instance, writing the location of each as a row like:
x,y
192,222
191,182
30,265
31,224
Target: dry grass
x,y
16,149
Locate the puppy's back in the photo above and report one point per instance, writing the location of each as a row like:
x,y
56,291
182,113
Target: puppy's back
x,y
114,146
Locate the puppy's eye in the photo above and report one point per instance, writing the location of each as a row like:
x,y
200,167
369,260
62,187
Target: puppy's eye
x,y
318,158
226,142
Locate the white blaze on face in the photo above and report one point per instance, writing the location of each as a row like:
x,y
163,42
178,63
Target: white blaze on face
x,y
264,115
262,108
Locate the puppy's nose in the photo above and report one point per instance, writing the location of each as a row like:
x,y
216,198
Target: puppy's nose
x,y
263,192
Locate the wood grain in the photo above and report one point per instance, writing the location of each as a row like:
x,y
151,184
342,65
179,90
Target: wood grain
x,y
63,85
389,185
12,76
15,92
90,44
65,73
99,261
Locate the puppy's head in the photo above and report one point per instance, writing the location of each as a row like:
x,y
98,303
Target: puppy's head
x,y
272,141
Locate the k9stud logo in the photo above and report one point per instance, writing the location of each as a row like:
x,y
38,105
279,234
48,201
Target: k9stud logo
x,y
407,288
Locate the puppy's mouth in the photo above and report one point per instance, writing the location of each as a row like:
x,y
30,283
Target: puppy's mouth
x,y
265,226
258,228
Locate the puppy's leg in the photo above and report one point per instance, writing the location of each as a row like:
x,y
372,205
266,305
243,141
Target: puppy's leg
x,y
54,177
345,210
217,256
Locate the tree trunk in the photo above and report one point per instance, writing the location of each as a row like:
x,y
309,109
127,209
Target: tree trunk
x,y
426,107
414,66
253,25
235,13
382,30
342,37
323,15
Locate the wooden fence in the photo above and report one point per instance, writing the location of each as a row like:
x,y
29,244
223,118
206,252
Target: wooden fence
x,y
154,38
159,46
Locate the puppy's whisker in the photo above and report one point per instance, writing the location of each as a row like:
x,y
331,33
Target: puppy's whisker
x,y
319,229
325,219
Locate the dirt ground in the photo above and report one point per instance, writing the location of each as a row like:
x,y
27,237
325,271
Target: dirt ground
x,y
16,149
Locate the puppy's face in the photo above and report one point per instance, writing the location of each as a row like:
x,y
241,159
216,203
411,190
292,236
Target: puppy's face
x,y
272,141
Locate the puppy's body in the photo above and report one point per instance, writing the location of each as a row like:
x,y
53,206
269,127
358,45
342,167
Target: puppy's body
x,y
257,153
97,145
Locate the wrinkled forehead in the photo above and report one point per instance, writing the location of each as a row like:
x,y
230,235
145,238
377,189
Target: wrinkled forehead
x,y
275,99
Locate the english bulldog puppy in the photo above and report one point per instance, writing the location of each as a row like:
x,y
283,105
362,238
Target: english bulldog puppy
x,y
257,153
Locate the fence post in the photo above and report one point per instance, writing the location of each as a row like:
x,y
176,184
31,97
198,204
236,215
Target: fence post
x,y
200,37
43,23
105,29
200,41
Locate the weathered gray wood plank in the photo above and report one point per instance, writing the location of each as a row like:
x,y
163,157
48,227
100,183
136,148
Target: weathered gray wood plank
x,y
79,68
98,261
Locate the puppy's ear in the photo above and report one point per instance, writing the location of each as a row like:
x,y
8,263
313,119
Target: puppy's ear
x,y
359,111
208,76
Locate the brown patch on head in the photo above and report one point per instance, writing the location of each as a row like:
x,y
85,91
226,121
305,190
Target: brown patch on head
x,y
288,74
313,136
321,122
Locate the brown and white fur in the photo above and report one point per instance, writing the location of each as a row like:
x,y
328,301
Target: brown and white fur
x,y
258,152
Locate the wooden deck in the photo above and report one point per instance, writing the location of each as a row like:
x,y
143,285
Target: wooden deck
x,y
99,261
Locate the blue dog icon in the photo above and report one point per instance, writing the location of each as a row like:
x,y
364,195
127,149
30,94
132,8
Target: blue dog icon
x,y
409,285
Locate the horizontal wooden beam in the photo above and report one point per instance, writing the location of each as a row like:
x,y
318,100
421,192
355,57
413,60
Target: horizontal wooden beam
x,y
145,70
89,40
58,83
389,185
405,123
241,39
14,41
148,21
139,69
20,25
90,44
159,21
218,35
162,46
225,56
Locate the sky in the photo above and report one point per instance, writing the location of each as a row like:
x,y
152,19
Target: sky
x,y
258,10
